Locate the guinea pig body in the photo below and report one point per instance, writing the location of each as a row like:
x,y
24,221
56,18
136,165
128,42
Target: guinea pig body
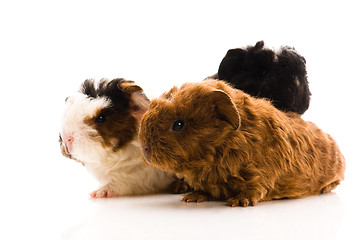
x,y
279,76
230,146
100,129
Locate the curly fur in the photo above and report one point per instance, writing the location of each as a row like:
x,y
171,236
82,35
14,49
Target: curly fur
x,y
279,76
236,147
100,123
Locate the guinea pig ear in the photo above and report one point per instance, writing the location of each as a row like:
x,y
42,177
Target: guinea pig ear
x,y
225,108
138,102
259,45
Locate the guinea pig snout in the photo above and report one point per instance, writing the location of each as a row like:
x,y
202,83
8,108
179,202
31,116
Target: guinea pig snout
x,y
146,149
68,140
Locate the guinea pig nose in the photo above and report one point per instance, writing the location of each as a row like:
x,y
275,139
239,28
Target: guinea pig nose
x,y
68,141
145,149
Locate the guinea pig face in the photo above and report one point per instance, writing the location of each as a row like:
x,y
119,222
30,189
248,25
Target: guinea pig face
x,y
79,136
100,119
185,125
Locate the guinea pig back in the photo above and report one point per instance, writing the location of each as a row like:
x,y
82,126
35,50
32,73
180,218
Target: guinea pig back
x,y
230,146
280,76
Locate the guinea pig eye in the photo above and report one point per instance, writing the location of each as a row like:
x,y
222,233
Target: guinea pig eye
x,y
100,118
178,125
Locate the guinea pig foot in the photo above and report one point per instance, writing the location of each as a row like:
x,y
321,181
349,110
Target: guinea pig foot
x,y
196,197
240,201
179,186
330,187
104,192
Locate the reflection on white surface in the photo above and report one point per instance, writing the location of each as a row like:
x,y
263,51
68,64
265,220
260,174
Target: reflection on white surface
x,y
166,217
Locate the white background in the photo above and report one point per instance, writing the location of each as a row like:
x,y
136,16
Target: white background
x,y
47,48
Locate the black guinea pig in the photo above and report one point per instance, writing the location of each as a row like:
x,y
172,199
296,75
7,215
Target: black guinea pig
x,y
279,76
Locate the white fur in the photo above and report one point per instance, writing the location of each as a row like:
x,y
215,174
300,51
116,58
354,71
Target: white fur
x,y
123,172
77,108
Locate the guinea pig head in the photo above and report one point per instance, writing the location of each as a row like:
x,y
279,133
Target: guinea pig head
x,y
183,128
101,119
289,85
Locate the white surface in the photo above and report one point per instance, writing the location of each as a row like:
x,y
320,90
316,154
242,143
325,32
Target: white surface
x,y
47,49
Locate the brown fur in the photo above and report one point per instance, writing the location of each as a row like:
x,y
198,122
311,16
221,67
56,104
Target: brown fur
x,y
122,116
238,148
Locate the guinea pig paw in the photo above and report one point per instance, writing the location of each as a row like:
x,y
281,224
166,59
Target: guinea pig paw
x,y
103,192
330,187
196,197
179,186
240,201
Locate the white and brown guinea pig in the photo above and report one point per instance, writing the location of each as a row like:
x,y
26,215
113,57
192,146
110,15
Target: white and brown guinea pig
x,y
230,146
99,128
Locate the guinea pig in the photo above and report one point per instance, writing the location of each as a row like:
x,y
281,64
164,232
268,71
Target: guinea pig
x,y
261,72
99,128
230,146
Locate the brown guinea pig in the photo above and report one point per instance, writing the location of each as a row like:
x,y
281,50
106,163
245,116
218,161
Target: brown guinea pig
x,y
230,146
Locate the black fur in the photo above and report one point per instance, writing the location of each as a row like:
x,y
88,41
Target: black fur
x,y
114,123
108,89
279,76
88,88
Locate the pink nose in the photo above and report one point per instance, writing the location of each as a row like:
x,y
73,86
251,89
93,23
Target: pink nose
x,y
145,149
68,140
